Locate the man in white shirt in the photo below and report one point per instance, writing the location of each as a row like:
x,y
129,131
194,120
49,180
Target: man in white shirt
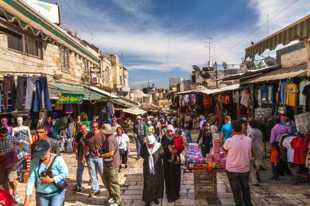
x,y
123,146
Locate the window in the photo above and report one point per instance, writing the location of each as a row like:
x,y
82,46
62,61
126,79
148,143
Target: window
x,y
65,59
33,46
15,41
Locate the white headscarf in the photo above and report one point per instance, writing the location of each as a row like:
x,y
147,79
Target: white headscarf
x,y
152,141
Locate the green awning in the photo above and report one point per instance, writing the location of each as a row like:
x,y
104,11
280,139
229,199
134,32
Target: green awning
x,y
57,89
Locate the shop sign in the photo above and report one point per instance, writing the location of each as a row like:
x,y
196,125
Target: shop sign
x,y
67,98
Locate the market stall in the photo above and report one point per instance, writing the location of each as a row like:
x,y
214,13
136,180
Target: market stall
x,y
205,169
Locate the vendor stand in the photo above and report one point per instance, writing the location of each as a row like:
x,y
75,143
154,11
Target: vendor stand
x,y
205,170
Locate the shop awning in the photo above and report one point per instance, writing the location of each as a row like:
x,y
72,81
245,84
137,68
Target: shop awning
x,y
104,93
299,30
279,74
220,90
212,91
134,111
57,89
123,102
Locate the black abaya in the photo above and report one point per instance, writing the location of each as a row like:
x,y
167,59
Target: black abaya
x,y
172,172
153,186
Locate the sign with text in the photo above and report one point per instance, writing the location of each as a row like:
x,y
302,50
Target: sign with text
x,y
67,98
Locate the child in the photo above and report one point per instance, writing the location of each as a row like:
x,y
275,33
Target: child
x,y
275,160
177,146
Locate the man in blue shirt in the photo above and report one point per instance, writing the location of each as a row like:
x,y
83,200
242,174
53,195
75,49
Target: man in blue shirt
x,y
226,130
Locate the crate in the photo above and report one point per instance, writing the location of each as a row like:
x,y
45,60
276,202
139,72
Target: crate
x,y
205,184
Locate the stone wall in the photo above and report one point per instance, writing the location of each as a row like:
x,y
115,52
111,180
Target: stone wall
x,y
12,61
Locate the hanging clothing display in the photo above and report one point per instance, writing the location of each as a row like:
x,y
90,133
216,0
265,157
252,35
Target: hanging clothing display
x,y
302,97
8,90
30,90
21,92
206,101
306,92
300,146
245,98
282,92
291,94
290,151
41,97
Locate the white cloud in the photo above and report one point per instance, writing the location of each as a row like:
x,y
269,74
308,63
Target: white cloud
x,y
179,50
279,12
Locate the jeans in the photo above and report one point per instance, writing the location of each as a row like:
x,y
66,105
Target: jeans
x,y
111,181
253,173
275,171
239,183
55,199
41,97
139,143
8,91
30,89
79,174
21,92
95,168
188,136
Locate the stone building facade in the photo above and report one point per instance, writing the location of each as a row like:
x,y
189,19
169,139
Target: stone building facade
x,y
31,44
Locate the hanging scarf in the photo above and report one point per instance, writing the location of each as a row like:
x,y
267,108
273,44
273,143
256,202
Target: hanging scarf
x,y
152,140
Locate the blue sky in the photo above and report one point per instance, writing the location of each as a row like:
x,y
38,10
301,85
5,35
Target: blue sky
x,y
157,39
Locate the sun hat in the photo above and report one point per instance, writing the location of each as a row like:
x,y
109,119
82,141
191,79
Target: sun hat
x,y
107,129
40,148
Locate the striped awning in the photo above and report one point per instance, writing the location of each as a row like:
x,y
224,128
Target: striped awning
x,y
299,30
279,74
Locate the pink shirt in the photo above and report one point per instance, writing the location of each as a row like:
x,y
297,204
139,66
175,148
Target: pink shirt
x,y
239,154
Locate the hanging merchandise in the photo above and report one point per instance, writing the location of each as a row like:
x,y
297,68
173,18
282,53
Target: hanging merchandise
x,y
263,113
245,98
9,90
300,146
282,92
306,92
259,97
41,97
291,94
21,92
206,101
270,94
302,98
264,94
30,90
236,96
302,122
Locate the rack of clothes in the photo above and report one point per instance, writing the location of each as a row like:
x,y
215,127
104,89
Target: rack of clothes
x,y
24,92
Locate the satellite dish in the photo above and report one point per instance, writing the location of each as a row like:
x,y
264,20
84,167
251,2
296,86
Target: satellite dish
x,y
196,68
270,61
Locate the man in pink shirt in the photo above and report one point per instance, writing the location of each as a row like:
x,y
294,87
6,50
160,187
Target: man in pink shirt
x,y
238,149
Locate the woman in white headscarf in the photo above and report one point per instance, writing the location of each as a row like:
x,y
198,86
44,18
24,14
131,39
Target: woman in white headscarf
x,y
153,187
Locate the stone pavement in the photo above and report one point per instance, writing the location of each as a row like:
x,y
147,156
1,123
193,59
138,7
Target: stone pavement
x,y
293,190
289,191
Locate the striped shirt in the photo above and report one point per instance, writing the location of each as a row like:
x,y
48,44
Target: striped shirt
x,y
6,144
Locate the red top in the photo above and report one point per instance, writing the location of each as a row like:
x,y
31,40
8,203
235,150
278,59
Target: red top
x,y
178,143
300,144
5,198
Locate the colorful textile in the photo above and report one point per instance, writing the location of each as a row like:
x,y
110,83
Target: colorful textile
x,y
300,146
291,94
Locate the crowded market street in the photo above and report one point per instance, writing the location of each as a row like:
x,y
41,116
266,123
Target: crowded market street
x,y
291,191
154,102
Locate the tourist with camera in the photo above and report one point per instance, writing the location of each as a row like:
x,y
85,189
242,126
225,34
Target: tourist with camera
x,y
47,174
